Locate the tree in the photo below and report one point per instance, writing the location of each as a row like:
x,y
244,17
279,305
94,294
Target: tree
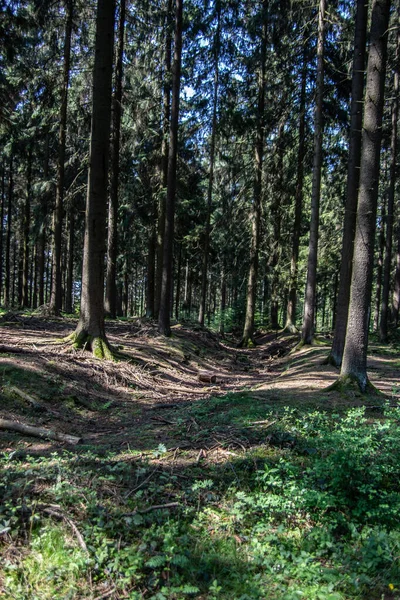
x,y
90,329
164,320
354,365
384,317
310,295
56,291
112,246
353,176
255,216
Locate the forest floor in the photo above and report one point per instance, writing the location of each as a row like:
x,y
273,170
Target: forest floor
x,y
194,424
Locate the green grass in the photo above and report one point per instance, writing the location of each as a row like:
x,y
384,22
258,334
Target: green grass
x,y
311,510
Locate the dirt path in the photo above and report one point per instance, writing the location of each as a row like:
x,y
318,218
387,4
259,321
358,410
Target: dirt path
x,y
109,404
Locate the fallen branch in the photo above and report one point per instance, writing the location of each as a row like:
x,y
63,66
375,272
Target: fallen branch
x,y
13,350
162,420
29,399
266,423
207,377
159,506
59,515
106,594
39,432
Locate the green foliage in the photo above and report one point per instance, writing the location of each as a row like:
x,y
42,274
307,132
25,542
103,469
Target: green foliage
x,y
312,511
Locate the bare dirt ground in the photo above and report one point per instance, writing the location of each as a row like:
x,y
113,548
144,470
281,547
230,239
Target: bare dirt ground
x,y
110,404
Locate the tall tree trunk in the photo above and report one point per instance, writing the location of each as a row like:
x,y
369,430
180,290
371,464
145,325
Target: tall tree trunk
x,y
307,333
90,328
178,283
298,202
165,300
255,217
164,157
3,201
150,281
379,270
41,241
56,290
353,178
26,223
69,305
396,290
207,231
112,246
354,365
276,223
383,324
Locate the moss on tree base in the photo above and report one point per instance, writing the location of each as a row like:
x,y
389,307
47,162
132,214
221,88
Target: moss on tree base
x,y
98,345
351,383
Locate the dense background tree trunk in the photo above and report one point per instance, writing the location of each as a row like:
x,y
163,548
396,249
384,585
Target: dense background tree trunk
x,y
354,365
255,216
387,265
90,328
164,157
164,322
310,295
298,202
56,290
112,246
207,229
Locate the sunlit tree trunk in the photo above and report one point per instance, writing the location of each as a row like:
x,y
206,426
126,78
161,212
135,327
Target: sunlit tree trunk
x,y
354,365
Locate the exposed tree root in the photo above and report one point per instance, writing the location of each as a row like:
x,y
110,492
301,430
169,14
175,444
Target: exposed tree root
x,y
351,384
98,345
247,343
330,360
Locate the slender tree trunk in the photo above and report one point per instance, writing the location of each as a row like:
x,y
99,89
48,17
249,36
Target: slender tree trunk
x,y
379,270
150,282
178,283
165,300
383,324
7,273
206,248
69,305
112,246
3,201
56,290
310,295
255,217
354,365
26,222
353,178
396,290
298,202
90,328
276,221
164,157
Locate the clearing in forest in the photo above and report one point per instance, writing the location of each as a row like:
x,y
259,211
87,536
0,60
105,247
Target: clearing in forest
x,y
203,471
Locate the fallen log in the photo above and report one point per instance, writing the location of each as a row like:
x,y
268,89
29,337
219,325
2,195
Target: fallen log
x,y
39,432
206,377
29,399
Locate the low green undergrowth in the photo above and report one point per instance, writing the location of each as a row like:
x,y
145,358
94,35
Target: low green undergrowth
x,y
311,511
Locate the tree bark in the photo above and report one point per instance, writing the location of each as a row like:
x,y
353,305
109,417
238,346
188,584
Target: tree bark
x,y
310,295
207,231
164,322
298,202
255,216
164,158
379,270
354,365
112,246
353,178
56,289
383,323
3,201
26,222
90,328
69,287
